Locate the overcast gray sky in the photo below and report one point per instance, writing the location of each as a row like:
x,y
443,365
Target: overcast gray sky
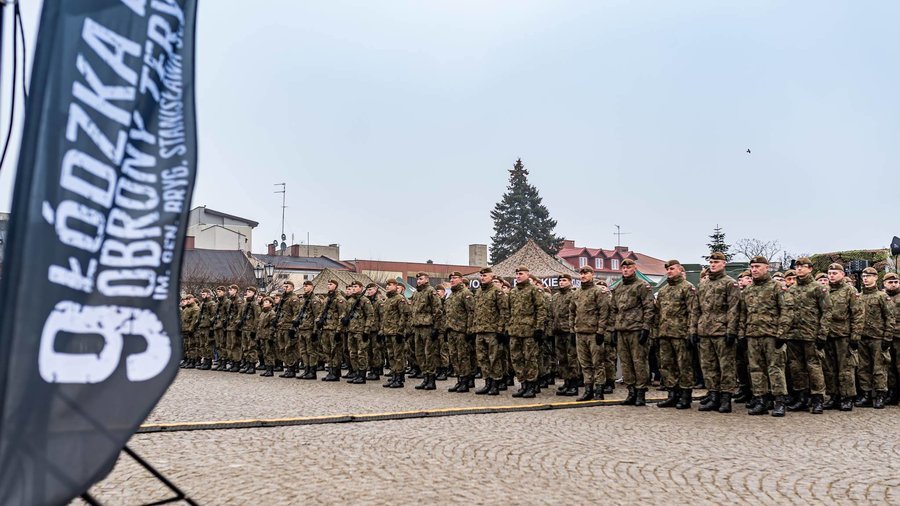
x,y
393,123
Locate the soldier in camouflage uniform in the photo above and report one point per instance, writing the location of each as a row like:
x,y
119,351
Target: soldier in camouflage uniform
x,y
491,316
742,367
264,333
677,333
222,310
548,370
190,317
286,335
810,309
359,324
589,319
205,328
459,312
425,319
377,349
844,333
247,327
715,320
392,314
305,326
564,336
892,289
527,317
632,314
328,327
763,321
874,350
232,333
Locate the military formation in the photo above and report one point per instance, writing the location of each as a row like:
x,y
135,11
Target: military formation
x,y
776,343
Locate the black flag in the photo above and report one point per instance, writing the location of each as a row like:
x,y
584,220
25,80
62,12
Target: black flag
x,y
89,330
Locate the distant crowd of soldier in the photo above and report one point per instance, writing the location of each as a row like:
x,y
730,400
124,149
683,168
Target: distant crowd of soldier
x,y
791,342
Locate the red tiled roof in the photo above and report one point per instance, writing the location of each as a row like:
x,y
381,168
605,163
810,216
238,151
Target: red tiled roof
x,y
412,267
650,265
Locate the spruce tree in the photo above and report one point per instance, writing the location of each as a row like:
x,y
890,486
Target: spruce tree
x,y
520,216
717,243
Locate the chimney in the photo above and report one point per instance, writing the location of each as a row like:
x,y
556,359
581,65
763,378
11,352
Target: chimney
x,y
189,243
271,250
568,243
621,248
295,250
478,255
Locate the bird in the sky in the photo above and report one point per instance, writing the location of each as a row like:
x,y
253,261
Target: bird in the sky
x,y
748,151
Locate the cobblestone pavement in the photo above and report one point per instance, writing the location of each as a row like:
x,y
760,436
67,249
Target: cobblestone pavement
x,y
608,454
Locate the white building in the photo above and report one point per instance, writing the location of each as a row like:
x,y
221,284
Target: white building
x,y
210,229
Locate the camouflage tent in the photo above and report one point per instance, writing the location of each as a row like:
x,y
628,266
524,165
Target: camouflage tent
x,y
344,278
541,264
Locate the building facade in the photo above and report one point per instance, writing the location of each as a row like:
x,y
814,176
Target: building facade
x,y
607,262
209,229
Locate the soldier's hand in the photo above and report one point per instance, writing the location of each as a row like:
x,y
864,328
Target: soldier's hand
x,y
538,335
598,339
694,339
434,333
885,345
345,320
730,339
643,336
854,344
820,344
779,342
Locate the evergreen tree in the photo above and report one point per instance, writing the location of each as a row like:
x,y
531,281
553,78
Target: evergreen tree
x,y
520,216
717,243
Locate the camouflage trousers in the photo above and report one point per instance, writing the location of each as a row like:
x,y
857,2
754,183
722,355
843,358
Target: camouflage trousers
x,y
742,366
219,337
676,363
894,369
308,347
270,351
717,361
805,367
591,358
287,347
428,350
633,355
188,345
612,356
445,350
461,352
490,356
398,353
547,349
233,345
873,366
766,364
249,351
205,341
526,357
331,346
358,344
377,350
409,347
567,355
840,367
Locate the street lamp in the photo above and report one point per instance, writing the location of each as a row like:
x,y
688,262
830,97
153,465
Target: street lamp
x,y
270,270
258,274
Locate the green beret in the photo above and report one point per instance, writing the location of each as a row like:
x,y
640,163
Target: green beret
x,y
356,283
627,261
836,267
586,268
870,270
744,274
790,273
564,276
420,274
891,276
522,268
821,275
759,259
250,289
670,263
717,255
456,274
803,261
371,285
486,270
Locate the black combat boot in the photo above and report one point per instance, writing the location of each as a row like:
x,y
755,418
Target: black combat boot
x,y
220,366
400,381
847,404
757,407
463,385
588,394
269,372
390,381
725,402
610,386
288,372
713,399
816,405
521,390
350,374
770,401
279,366
333,374
351,378
640,397
424,383
544,381
360,378
486,388
416,373
878,400
671,399
510,380
455,387
572,391
893,396
744,395
561,390
598,393
205,366
778,406
441,374
801,403
864,400
251,369
243,368
372,375
471,381
530,387
685,400
430,385
495,387
182,363
478,374
833,402
631,398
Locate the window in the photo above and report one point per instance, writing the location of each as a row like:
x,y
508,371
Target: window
x,y
598,263
582,261
615,264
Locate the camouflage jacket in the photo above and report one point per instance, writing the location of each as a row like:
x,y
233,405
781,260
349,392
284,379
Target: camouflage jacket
x,y
810,309
548,322
425,308
718,301
527,312
190,315
676,301
879,314
846,311
360,314
223,312
207,313
559,311
235,310
589,310
249,315
632,305
333,307
491,310
895,297
459,309
310,309
762,310
264,324
392,313
376,300
290,308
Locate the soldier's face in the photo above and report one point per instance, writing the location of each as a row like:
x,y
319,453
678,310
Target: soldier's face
x,y
497,283
220,293
422,280
287,287
204,295
307,289
267,304
390,288
803,270
835,275
521,276
354,289
790,281
332,287
232,292
371,291
759,270
869,280
779,280
486,279
744,281
441,292
277,299
249,293
716,265
586,276
672,271
823,281
455,280
892,285
628,270
564,283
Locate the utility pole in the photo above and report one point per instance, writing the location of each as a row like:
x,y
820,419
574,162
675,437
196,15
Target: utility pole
x,y
283,192
618,233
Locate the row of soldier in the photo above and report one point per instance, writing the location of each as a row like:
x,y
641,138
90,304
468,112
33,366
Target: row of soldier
x,y
751,334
